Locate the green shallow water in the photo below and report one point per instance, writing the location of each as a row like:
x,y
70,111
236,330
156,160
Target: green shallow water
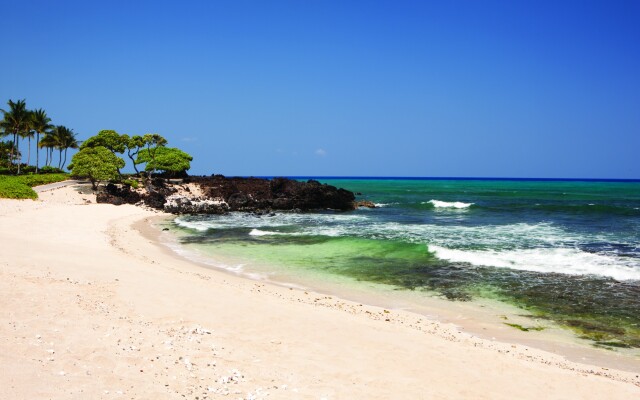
x,y
546,249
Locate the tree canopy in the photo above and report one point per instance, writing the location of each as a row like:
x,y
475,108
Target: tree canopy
x,y
97,164
166,159
19,123
109,139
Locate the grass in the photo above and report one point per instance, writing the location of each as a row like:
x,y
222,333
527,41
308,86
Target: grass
x,y
19,187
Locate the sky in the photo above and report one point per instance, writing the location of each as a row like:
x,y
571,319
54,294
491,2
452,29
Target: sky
x,y
547,89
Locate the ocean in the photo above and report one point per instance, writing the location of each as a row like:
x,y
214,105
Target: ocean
x,y
563,251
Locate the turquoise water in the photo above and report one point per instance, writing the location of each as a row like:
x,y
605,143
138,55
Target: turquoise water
x,y
567,251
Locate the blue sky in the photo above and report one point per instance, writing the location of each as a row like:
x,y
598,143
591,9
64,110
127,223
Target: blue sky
x,y
368,88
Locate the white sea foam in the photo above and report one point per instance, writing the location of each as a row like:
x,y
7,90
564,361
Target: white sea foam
x,y
447,204
381,205
195,225
196,256
244,220
259,232
559,260
487,236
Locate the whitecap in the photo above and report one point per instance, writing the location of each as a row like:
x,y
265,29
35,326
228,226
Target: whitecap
x,y
385,204
447,204
547,260
258,232
195,225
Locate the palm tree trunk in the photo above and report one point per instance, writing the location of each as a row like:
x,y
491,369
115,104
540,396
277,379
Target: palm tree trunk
x,y
65,157
37,149
60,159
18,153
11,160
29,150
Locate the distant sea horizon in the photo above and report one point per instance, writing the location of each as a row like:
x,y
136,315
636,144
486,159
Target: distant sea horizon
x,y
438,178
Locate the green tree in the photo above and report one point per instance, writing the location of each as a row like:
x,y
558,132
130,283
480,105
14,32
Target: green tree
x,y
40,123
62,138
167,159
153,142
15,122
109,139
7,152
134,145
49,142
67,140
96,163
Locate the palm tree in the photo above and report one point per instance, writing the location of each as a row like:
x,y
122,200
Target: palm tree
x,y
40,123
28,133
16,123
48,142
66,140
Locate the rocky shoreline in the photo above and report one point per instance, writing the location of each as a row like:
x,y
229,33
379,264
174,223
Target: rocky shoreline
x,y
218,194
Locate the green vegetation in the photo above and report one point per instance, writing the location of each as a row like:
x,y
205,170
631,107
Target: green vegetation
x,y
97,164
131,182
148,149
99,157
19,187
20,123
51,170
166,159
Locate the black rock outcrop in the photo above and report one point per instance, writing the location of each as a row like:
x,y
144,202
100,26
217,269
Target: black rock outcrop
x,y
118,195
257,194
219,194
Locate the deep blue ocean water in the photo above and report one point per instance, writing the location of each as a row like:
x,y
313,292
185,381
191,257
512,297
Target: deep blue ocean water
x,y
564,250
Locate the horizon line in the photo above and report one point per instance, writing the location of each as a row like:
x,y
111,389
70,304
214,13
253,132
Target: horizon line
x,y
477,178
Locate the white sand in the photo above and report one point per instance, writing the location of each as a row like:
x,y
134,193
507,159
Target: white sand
x,y
91,309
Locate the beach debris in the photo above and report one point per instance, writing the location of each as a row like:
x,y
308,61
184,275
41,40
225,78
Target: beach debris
x,y
198,330
234,378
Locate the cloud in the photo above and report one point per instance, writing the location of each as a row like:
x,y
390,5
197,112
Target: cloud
x,y
321,152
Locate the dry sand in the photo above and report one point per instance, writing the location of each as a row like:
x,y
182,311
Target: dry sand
x,y
90,309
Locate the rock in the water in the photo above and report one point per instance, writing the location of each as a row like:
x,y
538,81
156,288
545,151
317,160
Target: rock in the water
x,y
365,203
179,204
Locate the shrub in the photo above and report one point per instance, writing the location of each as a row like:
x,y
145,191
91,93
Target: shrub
x,y
19,187
47,169
12,187
27,169
131,182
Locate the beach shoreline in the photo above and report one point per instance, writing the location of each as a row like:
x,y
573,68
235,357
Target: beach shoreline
x,y
483,318
101,310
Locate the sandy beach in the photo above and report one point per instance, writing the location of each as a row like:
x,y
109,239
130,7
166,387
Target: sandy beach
x,y
91,308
